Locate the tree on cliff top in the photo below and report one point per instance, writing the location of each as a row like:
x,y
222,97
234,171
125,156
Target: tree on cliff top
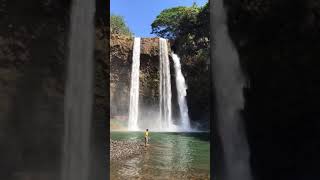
x,y
178,21
172,22
118,26
188,27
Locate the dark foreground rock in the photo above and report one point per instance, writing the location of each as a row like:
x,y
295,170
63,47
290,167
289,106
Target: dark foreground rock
x,y
278,43
125,149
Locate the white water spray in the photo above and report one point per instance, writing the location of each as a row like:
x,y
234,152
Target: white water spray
x,y
165,87
79,92
134,90
229,83
182,93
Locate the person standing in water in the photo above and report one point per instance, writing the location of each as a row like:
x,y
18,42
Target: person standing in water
x,y
146,136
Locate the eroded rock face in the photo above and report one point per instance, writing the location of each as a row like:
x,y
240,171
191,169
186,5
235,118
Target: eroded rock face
x,y
120,70
121,61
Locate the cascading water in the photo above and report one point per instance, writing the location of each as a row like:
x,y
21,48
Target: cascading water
x,y
182,92
229,83
78,93
164,123
134,90
165,87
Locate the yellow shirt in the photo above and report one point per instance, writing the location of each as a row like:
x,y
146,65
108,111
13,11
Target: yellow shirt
x,y
146,134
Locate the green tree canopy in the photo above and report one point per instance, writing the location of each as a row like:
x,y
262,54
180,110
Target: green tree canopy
x,y
118,26
188,26
170,23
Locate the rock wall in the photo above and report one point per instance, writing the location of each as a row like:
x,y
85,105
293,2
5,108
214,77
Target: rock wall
x,y
31,88
120,70
33,55
120,67
278,42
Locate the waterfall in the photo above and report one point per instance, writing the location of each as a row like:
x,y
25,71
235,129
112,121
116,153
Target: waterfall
x,y
165,86
182,92
79,92
134,90
229,83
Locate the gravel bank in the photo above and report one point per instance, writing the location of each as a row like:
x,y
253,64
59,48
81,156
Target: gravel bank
x,y
124,149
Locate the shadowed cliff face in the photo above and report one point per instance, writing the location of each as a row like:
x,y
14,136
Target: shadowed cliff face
x,y
32,55
278,44
33,51
120,67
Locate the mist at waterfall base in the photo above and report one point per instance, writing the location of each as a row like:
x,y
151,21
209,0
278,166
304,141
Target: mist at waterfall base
x,y
79,92
158,117
229,82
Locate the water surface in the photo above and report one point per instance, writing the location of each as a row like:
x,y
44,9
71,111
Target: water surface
x,y
169,156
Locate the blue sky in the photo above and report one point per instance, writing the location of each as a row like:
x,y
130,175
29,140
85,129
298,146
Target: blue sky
x,y
139,14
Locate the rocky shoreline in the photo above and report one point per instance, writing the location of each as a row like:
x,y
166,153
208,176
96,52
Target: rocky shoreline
x,y
125,149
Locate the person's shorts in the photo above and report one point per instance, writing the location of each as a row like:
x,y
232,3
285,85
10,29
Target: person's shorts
x,y
146,139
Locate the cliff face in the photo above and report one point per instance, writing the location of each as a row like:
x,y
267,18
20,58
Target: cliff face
x,y
278,43
120,67
31,86
33,56
121,60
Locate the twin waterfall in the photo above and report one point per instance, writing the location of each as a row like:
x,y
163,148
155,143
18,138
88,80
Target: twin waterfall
x,y
165,87
165,121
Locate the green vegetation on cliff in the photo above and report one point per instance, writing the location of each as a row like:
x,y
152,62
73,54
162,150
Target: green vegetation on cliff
x,y
188,27
171,23
119,26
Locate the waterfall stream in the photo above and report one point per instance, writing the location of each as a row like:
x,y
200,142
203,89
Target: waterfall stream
x,y
165,87
182,93
79,92
229,82
164,122
134,89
